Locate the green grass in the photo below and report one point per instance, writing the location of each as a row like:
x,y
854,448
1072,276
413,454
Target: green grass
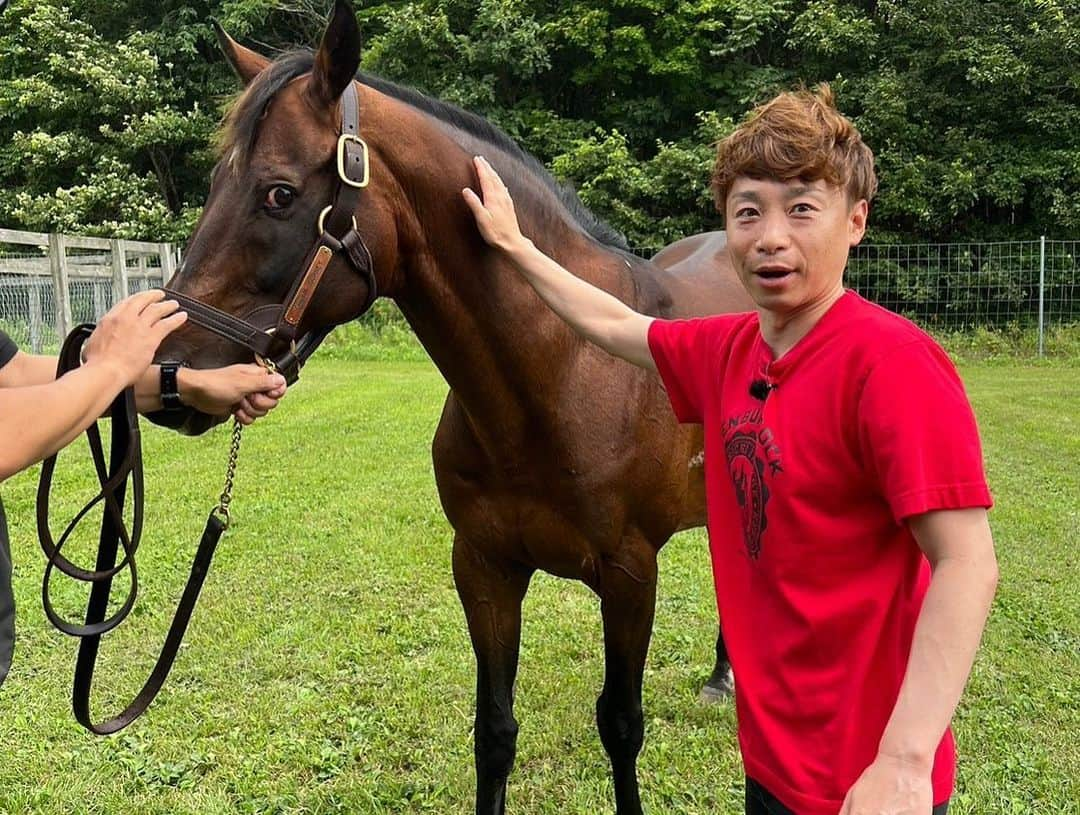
x,y
328,670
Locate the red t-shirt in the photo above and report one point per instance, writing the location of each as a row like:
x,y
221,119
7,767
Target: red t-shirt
x,y
818,580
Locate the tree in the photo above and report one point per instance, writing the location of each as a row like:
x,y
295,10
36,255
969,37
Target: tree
x,y
108,107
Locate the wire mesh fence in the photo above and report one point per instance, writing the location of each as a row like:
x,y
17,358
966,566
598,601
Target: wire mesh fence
x,y
961,286
27,307
50,283
966,286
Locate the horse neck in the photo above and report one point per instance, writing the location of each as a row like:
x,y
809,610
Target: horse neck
x,y
499,347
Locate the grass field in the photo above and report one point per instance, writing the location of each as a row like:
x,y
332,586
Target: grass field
x,y
328,670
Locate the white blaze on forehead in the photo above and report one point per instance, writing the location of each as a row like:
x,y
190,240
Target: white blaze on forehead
x,y
697,461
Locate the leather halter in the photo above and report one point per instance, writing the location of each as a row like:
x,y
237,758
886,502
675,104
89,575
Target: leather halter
x,y
338,234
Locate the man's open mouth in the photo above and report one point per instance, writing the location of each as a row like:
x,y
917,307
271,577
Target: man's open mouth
x,y
772,273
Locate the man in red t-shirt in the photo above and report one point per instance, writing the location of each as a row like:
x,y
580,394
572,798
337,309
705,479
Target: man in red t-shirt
x,y
852,558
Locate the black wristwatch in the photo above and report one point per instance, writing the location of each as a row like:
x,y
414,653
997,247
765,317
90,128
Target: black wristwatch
x,y
170,390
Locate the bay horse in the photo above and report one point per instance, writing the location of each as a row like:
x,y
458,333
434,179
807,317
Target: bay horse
x,y
549,454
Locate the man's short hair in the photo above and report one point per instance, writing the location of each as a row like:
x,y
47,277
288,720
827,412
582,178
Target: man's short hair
x,y
797,135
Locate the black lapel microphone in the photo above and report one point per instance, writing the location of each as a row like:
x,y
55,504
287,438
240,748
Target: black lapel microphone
x,y
760,388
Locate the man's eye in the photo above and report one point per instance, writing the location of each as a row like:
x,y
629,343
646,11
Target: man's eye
x,y
746,212
279,198
803,208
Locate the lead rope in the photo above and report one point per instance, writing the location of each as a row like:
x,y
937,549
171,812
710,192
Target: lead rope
x,y
125,460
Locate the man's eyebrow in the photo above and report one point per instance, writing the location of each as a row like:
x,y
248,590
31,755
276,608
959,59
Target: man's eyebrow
x,y
803,189
747,195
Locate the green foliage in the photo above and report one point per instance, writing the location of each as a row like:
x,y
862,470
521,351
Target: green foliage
x,y
1006,345
381,334
654,201
973,108
94,130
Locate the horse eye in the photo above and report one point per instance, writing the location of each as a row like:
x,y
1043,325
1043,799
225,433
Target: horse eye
x,y
279,198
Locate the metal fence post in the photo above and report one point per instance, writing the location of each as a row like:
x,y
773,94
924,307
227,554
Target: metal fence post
x,y
1042,289
59,266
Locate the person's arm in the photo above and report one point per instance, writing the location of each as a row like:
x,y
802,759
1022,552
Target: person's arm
x,y
591,312
247,391
41,418
25,370
960,549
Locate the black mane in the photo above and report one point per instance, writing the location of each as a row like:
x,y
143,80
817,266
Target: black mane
x,y
242,127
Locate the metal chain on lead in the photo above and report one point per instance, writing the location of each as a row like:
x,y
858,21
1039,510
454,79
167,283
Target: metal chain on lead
x,y
222,508
230,472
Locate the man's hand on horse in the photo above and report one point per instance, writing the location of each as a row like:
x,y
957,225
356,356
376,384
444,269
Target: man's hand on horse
x,y
130,332
494,213
247,391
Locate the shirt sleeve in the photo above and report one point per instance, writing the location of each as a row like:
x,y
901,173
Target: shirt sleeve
x,y
919,435
686,353
8,349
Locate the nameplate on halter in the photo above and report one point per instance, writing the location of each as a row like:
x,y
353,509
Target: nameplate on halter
x,y
312,276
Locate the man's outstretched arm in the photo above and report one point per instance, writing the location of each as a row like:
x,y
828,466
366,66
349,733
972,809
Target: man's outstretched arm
x,y
593,313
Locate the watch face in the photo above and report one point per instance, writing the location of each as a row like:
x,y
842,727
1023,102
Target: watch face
x,y
170,391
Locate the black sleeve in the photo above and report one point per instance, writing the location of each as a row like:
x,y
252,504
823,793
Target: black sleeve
x,y
8,349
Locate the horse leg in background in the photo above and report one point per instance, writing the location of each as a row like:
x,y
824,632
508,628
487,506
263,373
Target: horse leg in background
x,y
628,599
491,594
721,683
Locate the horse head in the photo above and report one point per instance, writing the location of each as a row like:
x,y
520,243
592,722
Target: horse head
x,y
291,234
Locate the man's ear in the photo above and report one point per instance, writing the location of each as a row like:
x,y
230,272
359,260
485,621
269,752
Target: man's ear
x,y
857,221
246,63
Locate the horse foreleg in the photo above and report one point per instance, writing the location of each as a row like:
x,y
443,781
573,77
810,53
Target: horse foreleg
x,y
628,600
722,682
491,594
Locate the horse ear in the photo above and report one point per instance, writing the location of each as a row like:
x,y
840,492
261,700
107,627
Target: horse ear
x,y
338,57
245,62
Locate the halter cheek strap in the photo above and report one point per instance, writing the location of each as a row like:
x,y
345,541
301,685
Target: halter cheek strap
x,y
338,235
337,223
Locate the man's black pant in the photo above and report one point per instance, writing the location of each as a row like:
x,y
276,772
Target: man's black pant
x,y
759,801
7,601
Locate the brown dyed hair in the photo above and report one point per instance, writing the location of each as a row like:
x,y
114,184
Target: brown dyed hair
x,y
797,135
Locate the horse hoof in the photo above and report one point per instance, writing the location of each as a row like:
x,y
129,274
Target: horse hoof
x,y
717,689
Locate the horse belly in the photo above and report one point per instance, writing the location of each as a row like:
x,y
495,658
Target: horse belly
x,y
528,530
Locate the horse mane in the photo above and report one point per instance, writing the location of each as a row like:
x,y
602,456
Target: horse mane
x,y
237,138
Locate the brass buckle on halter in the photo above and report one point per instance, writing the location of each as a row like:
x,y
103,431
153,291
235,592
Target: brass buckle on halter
x,y
344,139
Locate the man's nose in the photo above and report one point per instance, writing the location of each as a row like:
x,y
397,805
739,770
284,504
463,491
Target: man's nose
x,y
774,235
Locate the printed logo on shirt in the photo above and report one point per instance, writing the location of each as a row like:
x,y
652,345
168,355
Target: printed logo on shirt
x,y
751,453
